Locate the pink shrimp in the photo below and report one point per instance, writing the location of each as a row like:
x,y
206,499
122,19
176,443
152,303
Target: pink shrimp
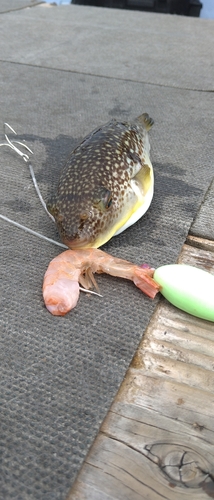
x,y
67,270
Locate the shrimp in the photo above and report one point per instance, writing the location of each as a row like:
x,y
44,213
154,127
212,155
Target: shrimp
x,y
67,270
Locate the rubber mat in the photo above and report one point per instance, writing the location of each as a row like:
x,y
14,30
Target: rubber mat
x,y
204,224
59,375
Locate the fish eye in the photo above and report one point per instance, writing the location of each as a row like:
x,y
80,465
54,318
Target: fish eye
x,y
103,199
109,202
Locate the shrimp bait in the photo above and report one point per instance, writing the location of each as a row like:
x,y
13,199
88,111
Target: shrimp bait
x,y
65,272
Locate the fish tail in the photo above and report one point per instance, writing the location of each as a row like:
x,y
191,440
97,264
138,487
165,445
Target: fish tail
x,y
146,120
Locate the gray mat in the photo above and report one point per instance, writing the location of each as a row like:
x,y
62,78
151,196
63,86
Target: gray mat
x,y
152,48
59,375
203,225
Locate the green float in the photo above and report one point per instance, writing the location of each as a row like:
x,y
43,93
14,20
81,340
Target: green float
x,y
188,288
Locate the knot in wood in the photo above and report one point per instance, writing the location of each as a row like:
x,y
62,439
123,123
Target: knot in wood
x,y
183,466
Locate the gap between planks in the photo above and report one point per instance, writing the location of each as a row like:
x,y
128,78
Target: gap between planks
x,y
157,439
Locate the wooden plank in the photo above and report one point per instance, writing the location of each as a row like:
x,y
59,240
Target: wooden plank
x,y
202,243
179,402
157,440
165,467
198,256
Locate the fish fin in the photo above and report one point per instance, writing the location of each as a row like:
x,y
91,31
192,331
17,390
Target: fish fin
x,y
144,178
146,120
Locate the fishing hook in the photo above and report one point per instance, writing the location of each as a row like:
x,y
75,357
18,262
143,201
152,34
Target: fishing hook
x,y
12,146
26,158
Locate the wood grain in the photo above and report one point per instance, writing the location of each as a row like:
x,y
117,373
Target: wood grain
x,y
198,242
157,439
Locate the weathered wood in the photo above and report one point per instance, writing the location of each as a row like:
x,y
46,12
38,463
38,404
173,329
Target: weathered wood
x,y
157,440
179,403
200,257
202,243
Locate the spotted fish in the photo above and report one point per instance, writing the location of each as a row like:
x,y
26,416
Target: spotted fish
x,y
106,184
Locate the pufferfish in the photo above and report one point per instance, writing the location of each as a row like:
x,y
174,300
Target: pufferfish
x,y
106,184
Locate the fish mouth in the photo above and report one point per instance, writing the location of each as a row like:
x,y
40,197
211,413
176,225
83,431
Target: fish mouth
x,y
77,244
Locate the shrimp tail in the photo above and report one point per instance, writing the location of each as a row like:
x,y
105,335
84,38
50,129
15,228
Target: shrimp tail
x,y
143,280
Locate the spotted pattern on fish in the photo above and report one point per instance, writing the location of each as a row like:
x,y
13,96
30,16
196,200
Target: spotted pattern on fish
x,y
105,185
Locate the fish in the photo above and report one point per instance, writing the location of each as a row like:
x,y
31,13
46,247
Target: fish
x,y
65,272
106,184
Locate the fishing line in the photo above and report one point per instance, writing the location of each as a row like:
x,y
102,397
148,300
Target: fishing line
x,y
28,230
